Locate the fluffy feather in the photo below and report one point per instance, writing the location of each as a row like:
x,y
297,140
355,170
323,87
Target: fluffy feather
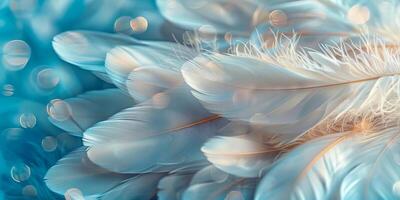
x,y
129,67
242,156
287,93
351,165
88,49
76,171
173,123
77,114
213,184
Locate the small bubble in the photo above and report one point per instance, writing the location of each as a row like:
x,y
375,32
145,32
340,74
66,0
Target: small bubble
x,y
49,144
20,172
16,55
122,25
139,24
396,189
358,14
73,194
47,78
29,191
278,18
234,195
27,120
8,90
59,110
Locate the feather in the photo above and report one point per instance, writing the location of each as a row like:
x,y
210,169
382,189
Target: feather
x,y
77,114
172,186
160,134
224,16
288,93
350,165
88,49
76,171
213,184
143,186
163,58
242,156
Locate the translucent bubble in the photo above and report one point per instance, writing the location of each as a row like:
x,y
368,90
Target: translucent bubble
x,y
59,110
396,188
20,172
16,55
73,194
234,195
8,90
358,14
47,78
139,24
29,191
278,18
49,143
123,25
27,120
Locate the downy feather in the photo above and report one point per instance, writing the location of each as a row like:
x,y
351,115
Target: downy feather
x,y
242,156
287,93
160,134
77,114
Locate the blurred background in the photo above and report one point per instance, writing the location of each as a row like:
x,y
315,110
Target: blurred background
x,y
31,76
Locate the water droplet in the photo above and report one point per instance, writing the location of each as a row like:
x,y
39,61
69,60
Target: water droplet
x,y
396,188
49,143
8,90
234,195
29,191
358,14
27,120
20,172
278,18
59,110
16,55
73,194
123,25
47,78
139,24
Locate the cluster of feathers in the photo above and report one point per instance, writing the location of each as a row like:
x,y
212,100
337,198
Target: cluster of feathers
x,y
273,99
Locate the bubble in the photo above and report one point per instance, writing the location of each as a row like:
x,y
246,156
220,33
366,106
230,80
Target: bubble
x,y
47,78
139,24
20,172
358,14
59,110
234,195
73,194
27,120
16,55
396,188
228,37
8,90
29,191
49,144
123,25
207,33
278,18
